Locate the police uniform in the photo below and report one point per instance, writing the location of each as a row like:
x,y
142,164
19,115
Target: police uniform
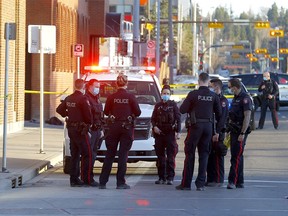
x,y
77,108
271,88
239,105
120,106
97,123
167,118
215,168
200,104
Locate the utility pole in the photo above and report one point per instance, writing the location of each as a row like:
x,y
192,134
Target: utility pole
x,y
171,41
136,32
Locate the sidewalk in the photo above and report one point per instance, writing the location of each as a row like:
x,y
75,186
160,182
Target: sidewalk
x,y
23,158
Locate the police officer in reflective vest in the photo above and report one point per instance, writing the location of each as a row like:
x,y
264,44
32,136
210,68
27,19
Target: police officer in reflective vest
x,y
166,123
238,125
200,105
77,108
92,94
121,109
270,90
215,168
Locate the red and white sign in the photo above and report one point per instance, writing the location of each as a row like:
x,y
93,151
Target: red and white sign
x,y
150,49
79,50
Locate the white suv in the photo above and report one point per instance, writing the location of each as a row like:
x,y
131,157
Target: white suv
x,y
145,86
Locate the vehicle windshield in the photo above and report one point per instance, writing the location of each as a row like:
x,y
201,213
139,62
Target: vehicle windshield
x,y
145,92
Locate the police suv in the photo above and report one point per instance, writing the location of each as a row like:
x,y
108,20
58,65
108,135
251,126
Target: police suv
x,y
147,90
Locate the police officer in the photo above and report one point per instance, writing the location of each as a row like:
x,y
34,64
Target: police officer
x,y
215,168
166,123
238,125
200,105
270,90
77,108
121,109
92,94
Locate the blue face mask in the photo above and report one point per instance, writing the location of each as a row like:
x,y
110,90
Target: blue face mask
x,y
264,78
230,91
96,91
211,89
165,97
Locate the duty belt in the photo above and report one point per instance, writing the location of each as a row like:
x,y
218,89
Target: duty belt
x,y
202,120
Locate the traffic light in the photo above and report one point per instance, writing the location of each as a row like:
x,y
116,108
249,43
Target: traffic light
x,y
253,59
249,55
283,50
261,51
266,56
216,25
261,25
274,59
277,33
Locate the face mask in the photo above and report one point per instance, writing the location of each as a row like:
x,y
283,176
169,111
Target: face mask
x,y
96,91
83,91
165,97
230,91
264,78
211,89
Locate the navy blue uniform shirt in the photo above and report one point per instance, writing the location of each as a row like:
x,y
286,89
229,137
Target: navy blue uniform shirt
x,y
220,125
96,108
77,107
204,102
176,113
239,105
122,104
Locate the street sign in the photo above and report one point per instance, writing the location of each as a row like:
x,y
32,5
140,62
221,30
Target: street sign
x,y
78,50
150,49
216,25
47,38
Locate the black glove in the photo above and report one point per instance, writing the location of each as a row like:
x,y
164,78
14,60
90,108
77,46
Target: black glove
x,y
221,149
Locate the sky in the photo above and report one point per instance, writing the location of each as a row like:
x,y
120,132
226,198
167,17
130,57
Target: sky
x,y
238,6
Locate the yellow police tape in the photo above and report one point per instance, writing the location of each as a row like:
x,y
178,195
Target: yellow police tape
x,y
45,92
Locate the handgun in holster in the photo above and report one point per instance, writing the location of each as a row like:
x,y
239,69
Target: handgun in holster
x,y
190,119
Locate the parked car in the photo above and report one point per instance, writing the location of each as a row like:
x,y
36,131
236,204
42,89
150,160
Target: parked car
x,y
252,82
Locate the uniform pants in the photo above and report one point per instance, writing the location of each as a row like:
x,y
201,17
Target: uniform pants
x,y
166,149
236,175
117,134
272,106
199,135
80,145
215,168
95,137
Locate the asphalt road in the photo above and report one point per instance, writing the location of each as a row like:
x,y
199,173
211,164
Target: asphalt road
x,y
266,187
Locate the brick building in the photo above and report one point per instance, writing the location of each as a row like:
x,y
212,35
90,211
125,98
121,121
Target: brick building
x,y
13,11
77,22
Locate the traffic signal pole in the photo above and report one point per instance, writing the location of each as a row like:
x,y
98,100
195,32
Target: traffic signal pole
x,y
136,32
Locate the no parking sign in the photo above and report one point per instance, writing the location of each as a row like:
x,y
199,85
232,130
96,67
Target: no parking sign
x,y
79,50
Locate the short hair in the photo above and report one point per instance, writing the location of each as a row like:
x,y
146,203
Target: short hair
x,y
79,84
204,77
91,82
122,80
217,82
235,82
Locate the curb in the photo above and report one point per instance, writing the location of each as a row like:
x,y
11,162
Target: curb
x,y
17,180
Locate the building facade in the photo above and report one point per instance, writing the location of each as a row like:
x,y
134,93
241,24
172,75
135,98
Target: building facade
x,y
77,22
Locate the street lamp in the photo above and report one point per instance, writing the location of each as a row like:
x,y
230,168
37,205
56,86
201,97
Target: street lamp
x,y
203,53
